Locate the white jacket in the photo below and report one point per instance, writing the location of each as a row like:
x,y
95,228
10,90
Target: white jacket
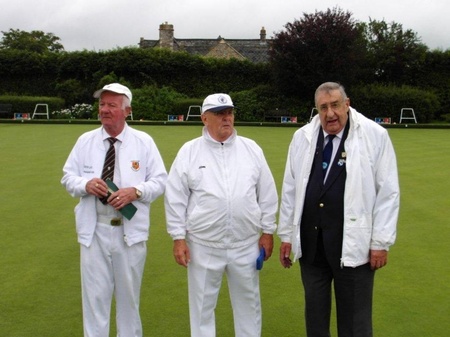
x,y
371,199
148,174
220,194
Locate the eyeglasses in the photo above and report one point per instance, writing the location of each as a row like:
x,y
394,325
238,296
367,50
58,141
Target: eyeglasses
x,y
333,106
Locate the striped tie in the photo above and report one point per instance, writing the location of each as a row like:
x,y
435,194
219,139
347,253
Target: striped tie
x,y
108,166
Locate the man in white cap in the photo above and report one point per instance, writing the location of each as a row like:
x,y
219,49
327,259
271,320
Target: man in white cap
x,y
221,203
113,222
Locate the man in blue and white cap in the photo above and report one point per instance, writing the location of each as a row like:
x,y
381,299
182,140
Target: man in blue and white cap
x,y
220,203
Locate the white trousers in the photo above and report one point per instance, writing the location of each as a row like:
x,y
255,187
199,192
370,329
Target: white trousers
x,y
110,267
205,273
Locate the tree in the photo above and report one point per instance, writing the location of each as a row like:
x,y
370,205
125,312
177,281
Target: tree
x,y
395,55
324,46
435,76
34,41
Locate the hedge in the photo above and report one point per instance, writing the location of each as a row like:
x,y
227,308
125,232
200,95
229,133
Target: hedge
x,y
27,104
387,101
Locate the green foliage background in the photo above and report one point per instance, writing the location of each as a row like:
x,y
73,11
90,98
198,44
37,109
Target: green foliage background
x,y
40,281
383,66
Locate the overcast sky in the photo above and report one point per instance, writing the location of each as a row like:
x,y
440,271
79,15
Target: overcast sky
x,y
109,24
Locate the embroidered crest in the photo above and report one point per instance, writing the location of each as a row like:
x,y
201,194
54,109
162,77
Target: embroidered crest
x,y
222,99
135,165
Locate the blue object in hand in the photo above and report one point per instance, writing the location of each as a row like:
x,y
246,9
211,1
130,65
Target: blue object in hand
x,y
260,259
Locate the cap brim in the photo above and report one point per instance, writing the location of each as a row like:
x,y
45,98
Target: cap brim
x,y
220,108
98,93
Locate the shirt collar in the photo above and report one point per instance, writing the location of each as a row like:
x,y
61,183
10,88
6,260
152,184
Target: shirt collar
x,y
338,135
119,137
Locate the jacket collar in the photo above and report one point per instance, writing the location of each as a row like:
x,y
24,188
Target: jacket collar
x,y
312,128
209,139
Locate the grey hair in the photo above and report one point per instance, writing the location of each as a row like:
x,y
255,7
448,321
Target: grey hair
x,y
125,102
330,86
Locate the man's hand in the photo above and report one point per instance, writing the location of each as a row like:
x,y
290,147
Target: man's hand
x,y
122,197
266,241
181,252
378,259
285,252
97,187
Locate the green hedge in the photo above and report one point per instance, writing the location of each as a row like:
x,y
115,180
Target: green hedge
x,y
24,73
387,101
27,104
163,82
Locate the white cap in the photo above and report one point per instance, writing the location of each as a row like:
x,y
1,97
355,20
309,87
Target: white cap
x,y
217,102
117,88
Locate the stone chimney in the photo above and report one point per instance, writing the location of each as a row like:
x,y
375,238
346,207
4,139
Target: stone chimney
x,y
166,35
262,34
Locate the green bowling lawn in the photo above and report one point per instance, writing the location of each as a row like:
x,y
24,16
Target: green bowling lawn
x,y
39,260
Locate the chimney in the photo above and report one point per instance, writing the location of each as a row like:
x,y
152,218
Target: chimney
x,y
166,36
262,34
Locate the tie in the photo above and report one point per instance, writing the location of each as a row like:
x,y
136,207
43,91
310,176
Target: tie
x,y
327,151
108,166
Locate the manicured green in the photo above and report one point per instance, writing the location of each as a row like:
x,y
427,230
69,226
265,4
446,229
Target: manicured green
x,y
39,260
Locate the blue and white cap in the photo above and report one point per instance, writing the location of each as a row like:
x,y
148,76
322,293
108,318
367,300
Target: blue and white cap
x,y
217,102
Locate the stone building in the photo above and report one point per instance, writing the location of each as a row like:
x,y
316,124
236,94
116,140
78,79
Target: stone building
x,y
254,50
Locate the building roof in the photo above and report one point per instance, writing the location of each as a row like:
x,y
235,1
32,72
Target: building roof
x,y
254,50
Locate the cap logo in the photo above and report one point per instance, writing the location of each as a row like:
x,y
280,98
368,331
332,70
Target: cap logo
x,y
222,99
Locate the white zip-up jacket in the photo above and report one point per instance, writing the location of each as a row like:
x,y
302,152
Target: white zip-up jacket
x,y
140,166
220,195
371,197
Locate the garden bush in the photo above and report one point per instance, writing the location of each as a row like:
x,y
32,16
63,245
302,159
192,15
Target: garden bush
x,y
387,101
27,104
153,103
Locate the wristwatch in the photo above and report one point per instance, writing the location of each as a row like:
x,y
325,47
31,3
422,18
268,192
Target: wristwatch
x,y
138,193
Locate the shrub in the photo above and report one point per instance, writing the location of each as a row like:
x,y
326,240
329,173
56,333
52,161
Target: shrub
x,y
252,105
378,100
153,103
181,106
78,111
27,104
70,90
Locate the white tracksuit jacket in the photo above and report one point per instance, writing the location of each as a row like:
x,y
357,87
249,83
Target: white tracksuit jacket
x,y
140,166
220,195
371,199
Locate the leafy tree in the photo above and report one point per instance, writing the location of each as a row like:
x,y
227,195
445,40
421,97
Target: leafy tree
x,y
324,46
34,41
435,76
395,55
70,90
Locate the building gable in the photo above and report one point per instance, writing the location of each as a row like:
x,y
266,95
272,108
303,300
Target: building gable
x,y
224,51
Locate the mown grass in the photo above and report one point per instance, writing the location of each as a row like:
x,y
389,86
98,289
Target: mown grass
x,y
39,273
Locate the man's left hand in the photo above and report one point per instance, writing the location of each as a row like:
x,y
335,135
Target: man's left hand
x,y
378,259
122,197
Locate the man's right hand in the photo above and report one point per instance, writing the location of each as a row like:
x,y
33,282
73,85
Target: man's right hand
x,y
97,187
181,252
